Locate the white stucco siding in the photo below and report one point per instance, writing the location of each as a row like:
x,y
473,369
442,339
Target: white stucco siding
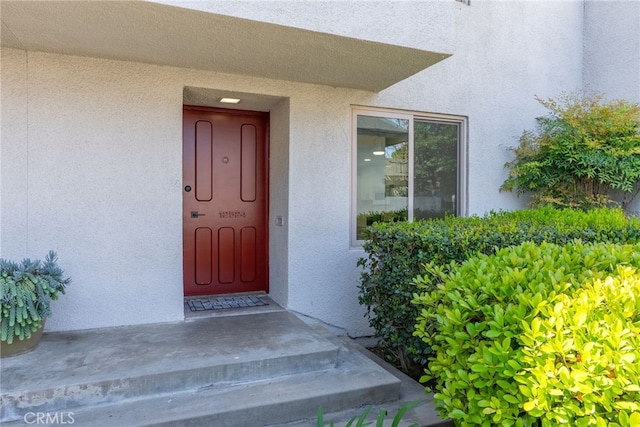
x,y
612,48
323,272
101,174
419,24
279,202
13,145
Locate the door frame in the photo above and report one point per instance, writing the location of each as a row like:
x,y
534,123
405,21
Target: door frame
x,y
266,222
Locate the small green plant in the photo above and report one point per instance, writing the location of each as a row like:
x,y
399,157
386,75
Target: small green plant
x,y
361,421
26,291
535,335
585,153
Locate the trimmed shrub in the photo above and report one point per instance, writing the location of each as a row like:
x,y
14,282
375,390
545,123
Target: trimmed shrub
x,y
396,252
537,335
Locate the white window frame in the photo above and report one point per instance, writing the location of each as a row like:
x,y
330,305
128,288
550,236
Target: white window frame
x,y
411,116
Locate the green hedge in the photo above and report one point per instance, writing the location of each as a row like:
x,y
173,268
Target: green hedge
x,y
537,335
395,253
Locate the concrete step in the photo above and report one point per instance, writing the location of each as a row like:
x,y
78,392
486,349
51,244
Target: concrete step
x,y
74,369
251,370
422,415
354,382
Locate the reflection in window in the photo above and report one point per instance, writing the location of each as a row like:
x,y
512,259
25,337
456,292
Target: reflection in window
x,y
408,167
382,170
435,169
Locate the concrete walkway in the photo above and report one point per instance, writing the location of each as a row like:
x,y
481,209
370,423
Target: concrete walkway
x,y
263,367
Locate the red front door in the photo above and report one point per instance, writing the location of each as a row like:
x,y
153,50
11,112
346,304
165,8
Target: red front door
x,y
225,197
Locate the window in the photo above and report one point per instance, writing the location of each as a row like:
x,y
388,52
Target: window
x,y
406,167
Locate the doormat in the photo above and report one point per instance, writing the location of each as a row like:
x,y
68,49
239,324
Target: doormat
x,y
222,303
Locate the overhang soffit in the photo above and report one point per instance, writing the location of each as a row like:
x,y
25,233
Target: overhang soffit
x,y
167,35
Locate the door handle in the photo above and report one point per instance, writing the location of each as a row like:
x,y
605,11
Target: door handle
x,y
195,214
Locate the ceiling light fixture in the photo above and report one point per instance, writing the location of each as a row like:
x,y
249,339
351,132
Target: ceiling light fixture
x,y
378,153
229,100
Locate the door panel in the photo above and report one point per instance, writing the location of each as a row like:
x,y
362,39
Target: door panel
x,y
248,242
248,166
226,255
225,201
203,156
203,256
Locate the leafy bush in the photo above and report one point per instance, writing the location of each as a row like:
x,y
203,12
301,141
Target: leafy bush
x,y
26,291
581,154
537,335
395,254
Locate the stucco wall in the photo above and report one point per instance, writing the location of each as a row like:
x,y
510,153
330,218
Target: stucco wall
x,y
402,22
279,203
13,174
95,178
612,48
93,148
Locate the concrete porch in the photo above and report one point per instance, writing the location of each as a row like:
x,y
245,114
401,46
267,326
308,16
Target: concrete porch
x,y
238,367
